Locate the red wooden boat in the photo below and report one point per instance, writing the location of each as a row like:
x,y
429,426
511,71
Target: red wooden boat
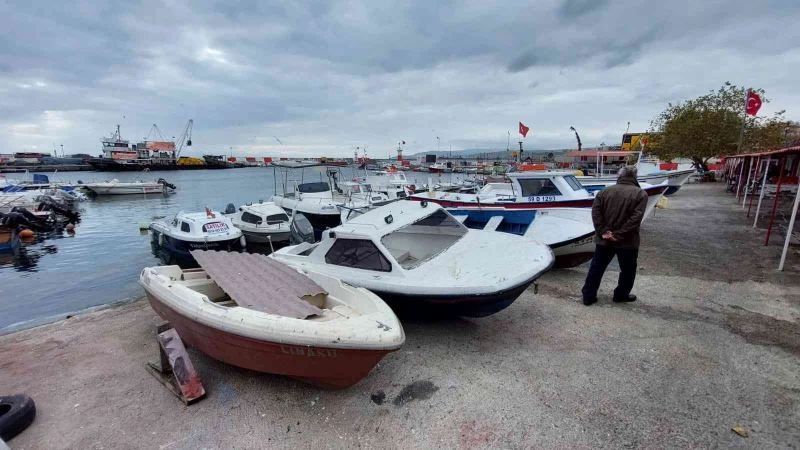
x,y
255,313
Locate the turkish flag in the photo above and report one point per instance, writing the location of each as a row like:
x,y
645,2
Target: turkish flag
x,y
523,130
753,103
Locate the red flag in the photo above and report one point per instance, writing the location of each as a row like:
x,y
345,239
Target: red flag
x,y
210,214
523,130
753,103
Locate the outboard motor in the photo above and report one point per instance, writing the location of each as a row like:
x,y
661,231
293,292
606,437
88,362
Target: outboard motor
x,y
49,204
301,230
165,183
230,209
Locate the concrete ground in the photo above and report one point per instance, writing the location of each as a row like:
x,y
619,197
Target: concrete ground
x,y
713,343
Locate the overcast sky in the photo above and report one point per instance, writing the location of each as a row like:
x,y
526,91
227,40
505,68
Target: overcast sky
x,y
324,77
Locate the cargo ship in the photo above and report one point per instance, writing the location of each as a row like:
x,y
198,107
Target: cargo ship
x,y
120,156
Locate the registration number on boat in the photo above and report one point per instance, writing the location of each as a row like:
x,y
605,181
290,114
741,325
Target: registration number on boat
x,y
542,198
215,227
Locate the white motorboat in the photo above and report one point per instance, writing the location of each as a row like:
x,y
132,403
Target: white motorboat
x,y
568,231
594,184
116,187
532,191
318,201
210,230
261,222
252,312
392,183
422,261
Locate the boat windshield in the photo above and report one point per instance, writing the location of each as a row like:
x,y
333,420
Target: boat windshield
x,y
418,242
307,188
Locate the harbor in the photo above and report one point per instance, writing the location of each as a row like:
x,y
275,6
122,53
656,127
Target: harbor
x,y
711,346
341,225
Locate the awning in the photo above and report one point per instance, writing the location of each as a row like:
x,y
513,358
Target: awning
x,y
257,282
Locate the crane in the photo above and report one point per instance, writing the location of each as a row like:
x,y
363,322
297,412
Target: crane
x,y
185,138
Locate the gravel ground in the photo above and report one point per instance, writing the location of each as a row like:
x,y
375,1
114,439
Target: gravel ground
x,y
713,343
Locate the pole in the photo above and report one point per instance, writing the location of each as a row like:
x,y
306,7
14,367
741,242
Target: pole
x,y
747,184
508,141
789,230
781,163
755,174
739,179
761,195
744,121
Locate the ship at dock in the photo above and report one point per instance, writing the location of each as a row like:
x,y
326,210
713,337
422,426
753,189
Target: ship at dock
x,y
152,154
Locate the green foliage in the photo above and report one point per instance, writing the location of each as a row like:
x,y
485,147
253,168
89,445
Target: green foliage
x,y
710,126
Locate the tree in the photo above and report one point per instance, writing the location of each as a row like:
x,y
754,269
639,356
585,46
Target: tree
x,y
711,125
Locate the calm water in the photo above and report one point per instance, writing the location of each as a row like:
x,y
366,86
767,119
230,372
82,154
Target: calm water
x,y
100,263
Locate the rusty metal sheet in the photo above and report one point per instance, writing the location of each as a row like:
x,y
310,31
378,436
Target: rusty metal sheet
x,y
256,282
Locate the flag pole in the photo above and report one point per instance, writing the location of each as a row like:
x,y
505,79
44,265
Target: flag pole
x,y
744,121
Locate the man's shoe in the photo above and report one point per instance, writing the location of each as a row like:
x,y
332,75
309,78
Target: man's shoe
x,y
589,301
628,299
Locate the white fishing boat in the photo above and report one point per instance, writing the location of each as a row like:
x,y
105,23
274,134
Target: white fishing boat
x,y
210,230
568,231
392,183
116,187
249,311
594,184
317,200
422,261
261,222
532,191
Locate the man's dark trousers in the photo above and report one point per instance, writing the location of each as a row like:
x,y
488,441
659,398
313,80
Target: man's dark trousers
x,y
603,254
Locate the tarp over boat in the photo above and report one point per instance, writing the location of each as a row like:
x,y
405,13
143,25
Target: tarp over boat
x,y
256,282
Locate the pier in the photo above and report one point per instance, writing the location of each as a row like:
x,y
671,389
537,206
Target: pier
x,y
713,343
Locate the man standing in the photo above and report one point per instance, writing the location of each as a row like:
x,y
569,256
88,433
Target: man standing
x,y
617,213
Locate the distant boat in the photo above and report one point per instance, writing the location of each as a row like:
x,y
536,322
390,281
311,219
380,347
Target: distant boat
x,y
116,187
308,326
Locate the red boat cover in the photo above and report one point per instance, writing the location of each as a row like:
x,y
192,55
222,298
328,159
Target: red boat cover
x,y
256,282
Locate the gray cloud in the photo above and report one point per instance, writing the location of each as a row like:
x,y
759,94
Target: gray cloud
x,y
327,76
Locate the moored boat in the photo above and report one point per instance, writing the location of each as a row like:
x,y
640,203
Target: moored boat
x,y
210,230
422,261
568,231
532,190
261,222
116,187
311,326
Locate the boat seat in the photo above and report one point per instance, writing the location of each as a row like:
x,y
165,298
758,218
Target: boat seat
x,y
493,223
399,255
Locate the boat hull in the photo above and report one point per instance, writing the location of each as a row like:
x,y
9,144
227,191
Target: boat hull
x,y
265,238
463,305
676,180
574,252
324,367
127,190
